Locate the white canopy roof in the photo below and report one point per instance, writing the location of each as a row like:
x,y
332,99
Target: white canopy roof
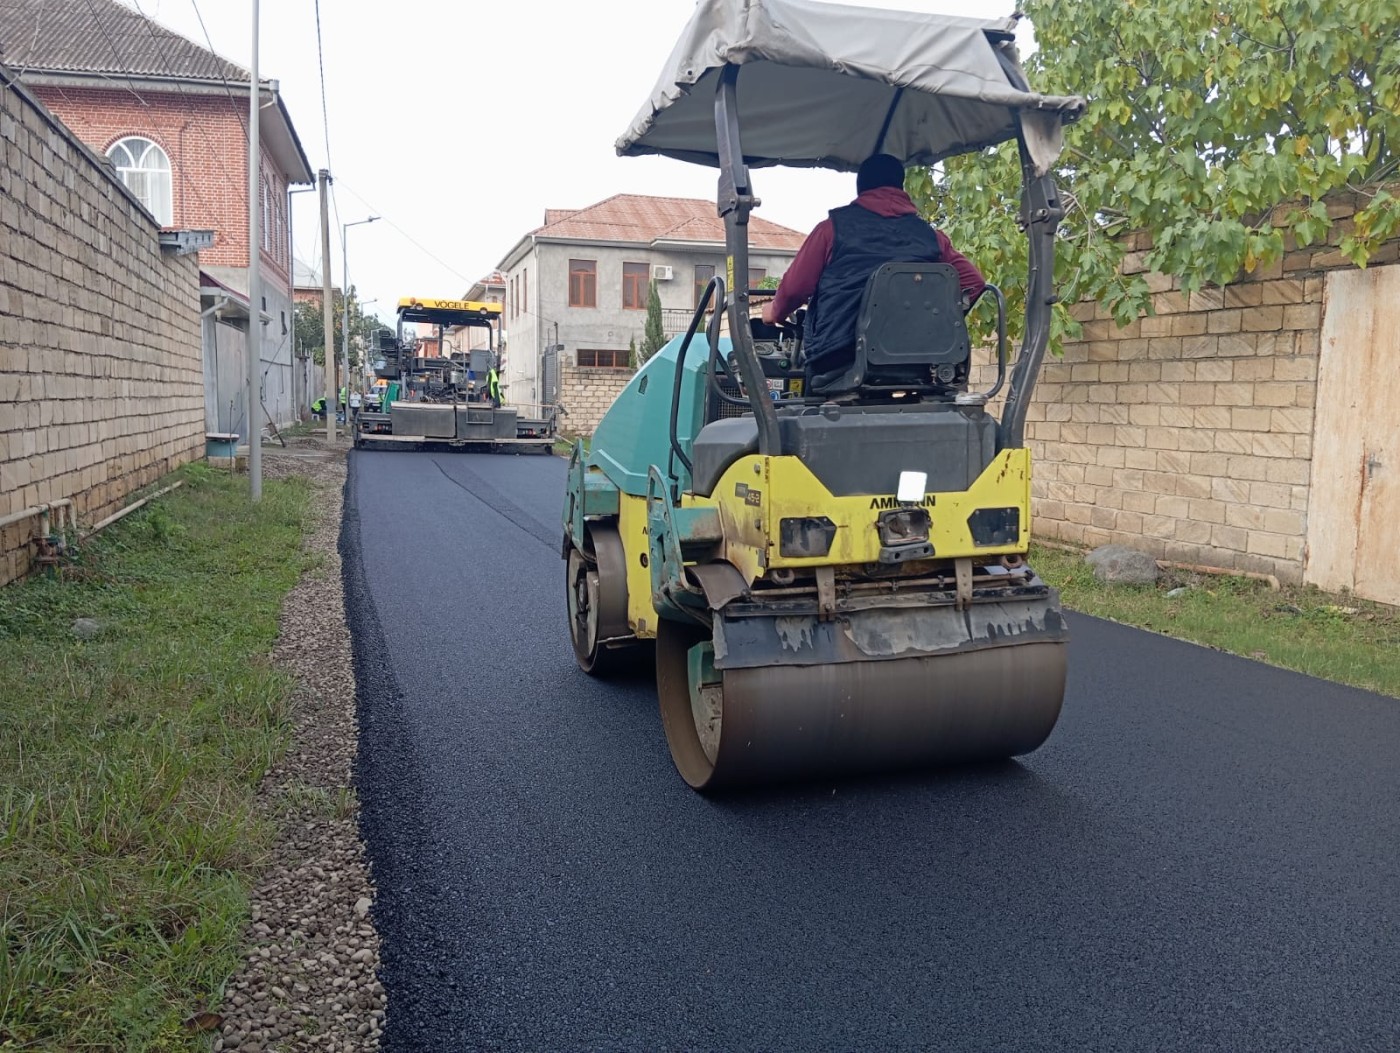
x,y
820,81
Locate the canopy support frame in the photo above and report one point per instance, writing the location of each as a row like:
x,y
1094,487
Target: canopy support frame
x,y
736,201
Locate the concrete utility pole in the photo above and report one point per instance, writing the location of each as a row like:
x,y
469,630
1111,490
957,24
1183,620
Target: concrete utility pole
x,y
323,179
254,402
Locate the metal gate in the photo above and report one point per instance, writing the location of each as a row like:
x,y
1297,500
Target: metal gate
x,y
549,375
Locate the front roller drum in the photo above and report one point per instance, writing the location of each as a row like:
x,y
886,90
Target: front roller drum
x,y
780,723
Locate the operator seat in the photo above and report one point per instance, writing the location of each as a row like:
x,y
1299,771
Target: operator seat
x,y
910,337
910,326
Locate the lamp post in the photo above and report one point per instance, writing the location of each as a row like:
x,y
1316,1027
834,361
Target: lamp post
x,y
345,301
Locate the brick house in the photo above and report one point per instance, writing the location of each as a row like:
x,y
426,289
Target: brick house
x,y
588,271
169,116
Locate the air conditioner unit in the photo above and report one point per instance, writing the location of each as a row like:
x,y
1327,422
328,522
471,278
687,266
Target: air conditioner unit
x,y
661,274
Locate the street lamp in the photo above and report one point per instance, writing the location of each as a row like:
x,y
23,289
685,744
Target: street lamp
x,y
345,299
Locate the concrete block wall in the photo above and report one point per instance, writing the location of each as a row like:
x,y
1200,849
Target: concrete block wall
x,y
101,381
586,395
1189,433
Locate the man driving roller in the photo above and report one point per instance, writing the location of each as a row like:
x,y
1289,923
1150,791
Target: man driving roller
x,y
831,269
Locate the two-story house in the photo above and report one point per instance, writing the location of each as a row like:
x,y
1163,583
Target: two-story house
x,y
171,118
582,279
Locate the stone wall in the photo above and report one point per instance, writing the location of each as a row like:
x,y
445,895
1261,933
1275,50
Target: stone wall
x,y
101,386
1189,433
585,395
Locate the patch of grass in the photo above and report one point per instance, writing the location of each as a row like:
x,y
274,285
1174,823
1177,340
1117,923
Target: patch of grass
x,y
1335,638
565,446
128,764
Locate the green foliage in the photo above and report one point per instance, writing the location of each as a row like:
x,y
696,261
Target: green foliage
x,y
769,281
654,336
1216,129
129,764
632,353
1336,638
310,328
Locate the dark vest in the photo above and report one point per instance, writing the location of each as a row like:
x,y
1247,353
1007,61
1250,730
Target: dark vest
x,y
861,242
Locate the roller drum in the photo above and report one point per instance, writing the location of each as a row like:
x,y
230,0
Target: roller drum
x,y
788,722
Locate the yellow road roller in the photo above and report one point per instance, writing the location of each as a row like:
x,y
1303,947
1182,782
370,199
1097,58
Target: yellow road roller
x,y
829,563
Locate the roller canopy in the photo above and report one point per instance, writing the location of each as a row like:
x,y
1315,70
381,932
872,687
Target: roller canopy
x,y
826,85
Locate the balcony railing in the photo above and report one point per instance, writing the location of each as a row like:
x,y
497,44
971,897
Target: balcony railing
x,y
675,321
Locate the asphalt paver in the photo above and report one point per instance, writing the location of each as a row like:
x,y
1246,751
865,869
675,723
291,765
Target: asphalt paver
x,y
1204,855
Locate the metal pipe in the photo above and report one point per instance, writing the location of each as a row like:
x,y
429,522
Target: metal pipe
x,y
129,509
37,510
219,305
253,396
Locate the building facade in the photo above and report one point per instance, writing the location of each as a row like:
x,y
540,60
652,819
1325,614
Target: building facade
x,y
169,116
581,281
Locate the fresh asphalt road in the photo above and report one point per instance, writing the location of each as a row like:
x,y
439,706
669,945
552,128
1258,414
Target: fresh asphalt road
x,y
1204,856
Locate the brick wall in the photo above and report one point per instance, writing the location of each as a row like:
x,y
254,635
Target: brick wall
x,y
204,138
586,394
101,387
1189,433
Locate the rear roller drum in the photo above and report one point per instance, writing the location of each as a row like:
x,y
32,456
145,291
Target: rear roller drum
x,y
597,595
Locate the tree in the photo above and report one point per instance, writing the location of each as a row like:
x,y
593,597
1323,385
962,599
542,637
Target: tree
x,y
310,328
1219,130
654,335
632,353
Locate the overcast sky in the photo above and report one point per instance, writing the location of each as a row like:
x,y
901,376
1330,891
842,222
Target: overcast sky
x,y
460,122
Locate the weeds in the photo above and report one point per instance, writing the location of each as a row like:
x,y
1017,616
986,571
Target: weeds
x,y
1335,638
129,761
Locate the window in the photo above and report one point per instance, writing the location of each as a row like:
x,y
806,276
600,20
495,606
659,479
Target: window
x,y
703,273
512,297
603,359
635,286
145,169
756,276
267,214
583,283
525,291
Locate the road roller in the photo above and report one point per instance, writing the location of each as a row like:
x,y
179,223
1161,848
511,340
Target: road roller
x,y
830,566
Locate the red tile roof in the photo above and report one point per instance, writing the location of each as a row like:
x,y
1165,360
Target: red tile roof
x,y
639,218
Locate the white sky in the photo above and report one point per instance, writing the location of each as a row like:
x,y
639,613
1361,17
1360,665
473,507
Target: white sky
x,y
459,127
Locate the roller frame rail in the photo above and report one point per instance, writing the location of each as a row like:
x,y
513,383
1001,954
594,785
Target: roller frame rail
x,y
803,625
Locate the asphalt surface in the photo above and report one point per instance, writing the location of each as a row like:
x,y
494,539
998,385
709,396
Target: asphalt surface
x,y
1205,855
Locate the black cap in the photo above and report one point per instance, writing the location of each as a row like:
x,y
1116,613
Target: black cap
x,y
879,170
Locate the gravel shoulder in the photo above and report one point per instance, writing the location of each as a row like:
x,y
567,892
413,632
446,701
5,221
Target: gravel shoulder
x,y
309,980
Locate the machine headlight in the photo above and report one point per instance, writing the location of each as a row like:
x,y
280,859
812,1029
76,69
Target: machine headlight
x,y
903,526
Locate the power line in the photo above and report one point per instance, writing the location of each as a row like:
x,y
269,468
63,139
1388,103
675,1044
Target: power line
x,y
227,89
423,249
208,143
325,112
116,55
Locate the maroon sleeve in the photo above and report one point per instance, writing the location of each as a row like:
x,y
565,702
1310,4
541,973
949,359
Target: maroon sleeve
x,y
969,277
800,281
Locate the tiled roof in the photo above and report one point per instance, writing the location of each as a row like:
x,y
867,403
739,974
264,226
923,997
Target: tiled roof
x,y
102,36
639,218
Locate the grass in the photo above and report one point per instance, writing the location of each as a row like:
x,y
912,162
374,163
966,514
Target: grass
x,y
1335,638
564,446
128,764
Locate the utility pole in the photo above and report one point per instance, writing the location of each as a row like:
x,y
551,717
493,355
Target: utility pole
x,y
253,399
323,179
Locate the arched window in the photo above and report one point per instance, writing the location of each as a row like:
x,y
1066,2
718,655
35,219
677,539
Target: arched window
x,y
145,169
